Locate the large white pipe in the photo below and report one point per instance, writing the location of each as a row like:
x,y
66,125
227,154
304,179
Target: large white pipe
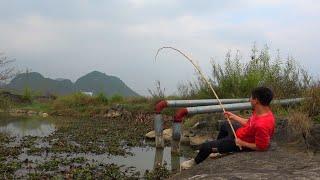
x,y
236,106
202,102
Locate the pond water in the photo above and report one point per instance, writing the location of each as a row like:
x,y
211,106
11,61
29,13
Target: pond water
x,y
27,127
39,130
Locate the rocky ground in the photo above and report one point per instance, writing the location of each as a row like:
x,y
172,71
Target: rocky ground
x,y
277,163
286,159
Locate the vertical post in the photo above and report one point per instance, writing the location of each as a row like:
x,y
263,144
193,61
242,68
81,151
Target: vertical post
x,y
176,136
158,128
158,158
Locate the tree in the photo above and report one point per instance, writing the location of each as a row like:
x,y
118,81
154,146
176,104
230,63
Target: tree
x,y
6,70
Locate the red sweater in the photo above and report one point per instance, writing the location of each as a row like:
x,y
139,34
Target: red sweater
x,y
258,130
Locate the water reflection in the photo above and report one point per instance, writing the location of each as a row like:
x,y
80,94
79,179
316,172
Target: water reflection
x,y
143,158
27,127
147,158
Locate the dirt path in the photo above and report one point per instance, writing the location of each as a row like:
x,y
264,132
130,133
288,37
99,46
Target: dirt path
x,y
277,163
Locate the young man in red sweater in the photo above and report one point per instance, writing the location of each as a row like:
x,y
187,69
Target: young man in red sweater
x,y
252,134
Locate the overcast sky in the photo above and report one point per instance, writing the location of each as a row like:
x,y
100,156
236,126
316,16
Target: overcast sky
x,y
69,38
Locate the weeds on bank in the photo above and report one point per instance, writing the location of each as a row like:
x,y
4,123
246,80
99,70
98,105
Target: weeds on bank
x,y
312,102
236,79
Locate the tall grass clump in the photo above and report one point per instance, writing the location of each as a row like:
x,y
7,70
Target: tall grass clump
x,y
236,78
116,98
158,93
5,103
300,123
27,94
102,98
74,101
311,103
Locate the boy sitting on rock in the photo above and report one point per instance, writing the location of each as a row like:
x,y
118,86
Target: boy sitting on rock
x,y
252,134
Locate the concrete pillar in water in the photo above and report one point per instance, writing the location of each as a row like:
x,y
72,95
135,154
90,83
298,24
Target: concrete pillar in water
x,y
158,128
158,158
176,136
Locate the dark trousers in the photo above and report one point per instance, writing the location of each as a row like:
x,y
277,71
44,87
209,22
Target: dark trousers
x,y
225,142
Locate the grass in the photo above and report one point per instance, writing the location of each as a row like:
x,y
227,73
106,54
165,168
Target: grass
x,y
300,122
36,106
236,78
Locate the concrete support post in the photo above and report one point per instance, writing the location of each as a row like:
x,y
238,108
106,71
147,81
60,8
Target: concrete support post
x,y
158,128
176,136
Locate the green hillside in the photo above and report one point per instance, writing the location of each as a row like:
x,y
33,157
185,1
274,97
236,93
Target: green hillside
x,y
97,82
94,82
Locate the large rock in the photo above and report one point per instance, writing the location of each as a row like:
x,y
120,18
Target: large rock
x,y
167,134
272,164
197,140
151,135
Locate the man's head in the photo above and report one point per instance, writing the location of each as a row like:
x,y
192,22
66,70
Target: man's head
x,y
262,96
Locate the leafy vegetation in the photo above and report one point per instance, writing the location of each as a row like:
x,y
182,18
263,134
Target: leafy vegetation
x,y
236,79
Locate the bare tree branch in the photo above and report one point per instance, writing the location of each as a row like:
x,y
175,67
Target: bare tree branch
x,y
6,70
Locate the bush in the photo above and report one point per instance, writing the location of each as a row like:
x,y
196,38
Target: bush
x,y
235,79
102,98
312,100
76,100
117,98
5,103
27,94
299,122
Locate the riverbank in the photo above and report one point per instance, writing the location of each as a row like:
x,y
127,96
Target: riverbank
x,y
87,127
59,147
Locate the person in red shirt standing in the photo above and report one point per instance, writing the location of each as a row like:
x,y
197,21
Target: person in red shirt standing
x,y
253,134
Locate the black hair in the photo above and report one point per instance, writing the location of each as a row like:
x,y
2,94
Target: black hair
x,y
263,94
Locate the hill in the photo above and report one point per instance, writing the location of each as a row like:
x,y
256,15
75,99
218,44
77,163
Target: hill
x,y
95,82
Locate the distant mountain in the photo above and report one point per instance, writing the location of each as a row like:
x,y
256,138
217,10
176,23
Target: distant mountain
x,y
60,79
94,82
97,82
36,82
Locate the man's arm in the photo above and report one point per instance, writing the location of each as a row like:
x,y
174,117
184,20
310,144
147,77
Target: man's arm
x,y
241,143
234,117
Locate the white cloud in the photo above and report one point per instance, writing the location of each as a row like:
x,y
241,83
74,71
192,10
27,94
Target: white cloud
x,y
123,39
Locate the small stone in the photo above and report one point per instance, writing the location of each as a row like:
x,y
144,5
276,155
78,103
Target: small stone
x,y
45,114
32,112
167,134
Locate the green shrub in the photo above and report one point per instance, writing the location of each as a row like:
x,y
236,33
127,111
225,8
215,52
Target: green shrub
x,y
5,103
117,98
27,94
102,98
76,100
236,78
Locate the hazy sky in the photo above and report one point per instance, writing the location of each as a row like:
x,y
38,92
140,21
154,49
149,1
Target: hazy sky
x,y
69,38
